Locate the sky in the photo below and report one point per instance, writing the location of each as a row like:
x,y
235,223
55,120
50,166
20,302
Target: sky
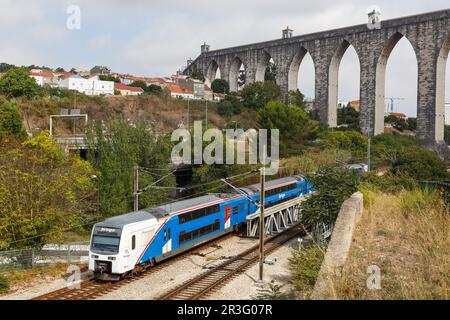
x,y
153,38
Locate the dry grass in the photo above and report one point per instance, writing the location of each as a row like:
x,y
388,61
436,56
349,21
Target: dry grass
x,y
310,161
407,236
26,278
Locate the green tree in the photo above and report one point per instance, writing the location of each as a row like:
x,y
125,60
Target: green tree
x,y
198,74
17,83
294,124
139,84
230,105
420,164
242,78
296,98
153,89
345,140
123,147
272,90
43,192
350,117
271,72
447,134
220,86
60,69
4,67
225,109
257,94
412,124
108,77
333,186
10,119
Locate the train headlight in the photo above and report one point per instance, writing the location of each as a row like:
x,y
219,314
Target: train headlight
x,y
112,258
94,256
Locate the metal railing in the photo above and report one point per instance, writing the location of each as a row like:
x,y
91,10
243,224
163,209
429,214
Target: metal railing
x,y
28,258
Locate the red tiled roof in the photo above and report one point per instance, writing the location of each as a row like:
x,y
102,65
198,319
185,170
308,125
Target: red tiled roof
x,y
121,86
43,74
177,89
64,74
398,114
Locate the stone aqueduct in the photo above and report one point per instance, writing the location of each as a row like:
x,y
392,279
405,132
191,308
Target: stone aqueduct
x,y
429,35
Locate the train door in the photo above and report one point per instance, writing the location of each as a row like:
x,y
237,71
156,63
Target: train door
x,y
167,239
227,217
129,256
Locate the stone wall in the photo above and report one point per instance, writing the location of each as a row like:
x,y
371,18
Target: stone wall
x,y
339,246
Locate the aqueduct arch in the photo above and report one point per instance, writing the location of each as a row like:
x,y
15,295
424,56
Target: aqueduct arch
x,y
428,33
263,63
211,71
235,69
440,88
294,68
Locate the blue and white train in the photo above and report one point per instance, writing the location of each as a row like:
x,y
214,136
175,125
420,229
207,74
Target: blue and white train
x,y
128,243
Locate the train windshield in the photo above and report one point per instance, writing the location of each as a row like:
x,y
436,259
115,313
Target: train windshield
x,y
105,243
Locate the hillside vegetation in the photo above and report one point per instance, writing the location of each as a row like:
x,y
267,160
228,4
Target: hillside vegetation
x,y
165,113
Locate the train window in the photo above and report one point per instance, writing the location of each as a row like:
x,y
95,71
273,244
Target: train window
x,y
275,191
235,210
197,214
197,233
169,234
165,235
133,242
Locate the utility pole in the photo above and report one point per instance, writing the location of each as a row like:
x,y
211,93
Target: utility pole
x,y
136,188
261,226
188,117
368,153
206,113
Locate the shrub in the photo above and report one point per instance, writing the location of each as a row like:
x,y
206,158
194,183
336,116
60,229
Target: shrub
x,y
421,164
345,140
294,124
10,119
271,291
305,265
4,284
17,83
390,182
333,186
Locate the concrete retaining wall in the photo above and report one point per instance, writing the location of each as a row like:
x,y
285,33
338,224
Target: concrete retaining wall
x,y
338,247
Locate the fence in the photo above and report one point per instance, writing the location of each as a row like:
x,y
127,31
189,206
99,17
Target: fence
x,y
49,255
321,232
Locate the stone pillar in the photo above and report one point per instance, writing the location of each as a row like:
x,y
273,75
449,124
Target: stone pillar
x,y
427,118
321,103
367,94
282,76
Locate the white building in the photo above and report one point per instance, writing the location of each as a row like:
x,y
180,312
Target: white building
x,y
91,87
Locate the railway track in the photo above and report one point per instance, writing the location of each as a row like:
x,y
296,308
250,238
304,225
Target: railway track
x,y
215,278
91,288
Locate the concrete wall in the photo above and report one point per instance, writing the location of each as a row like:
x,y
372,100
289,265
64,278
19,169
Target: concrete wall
x,y
339,246
429,35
